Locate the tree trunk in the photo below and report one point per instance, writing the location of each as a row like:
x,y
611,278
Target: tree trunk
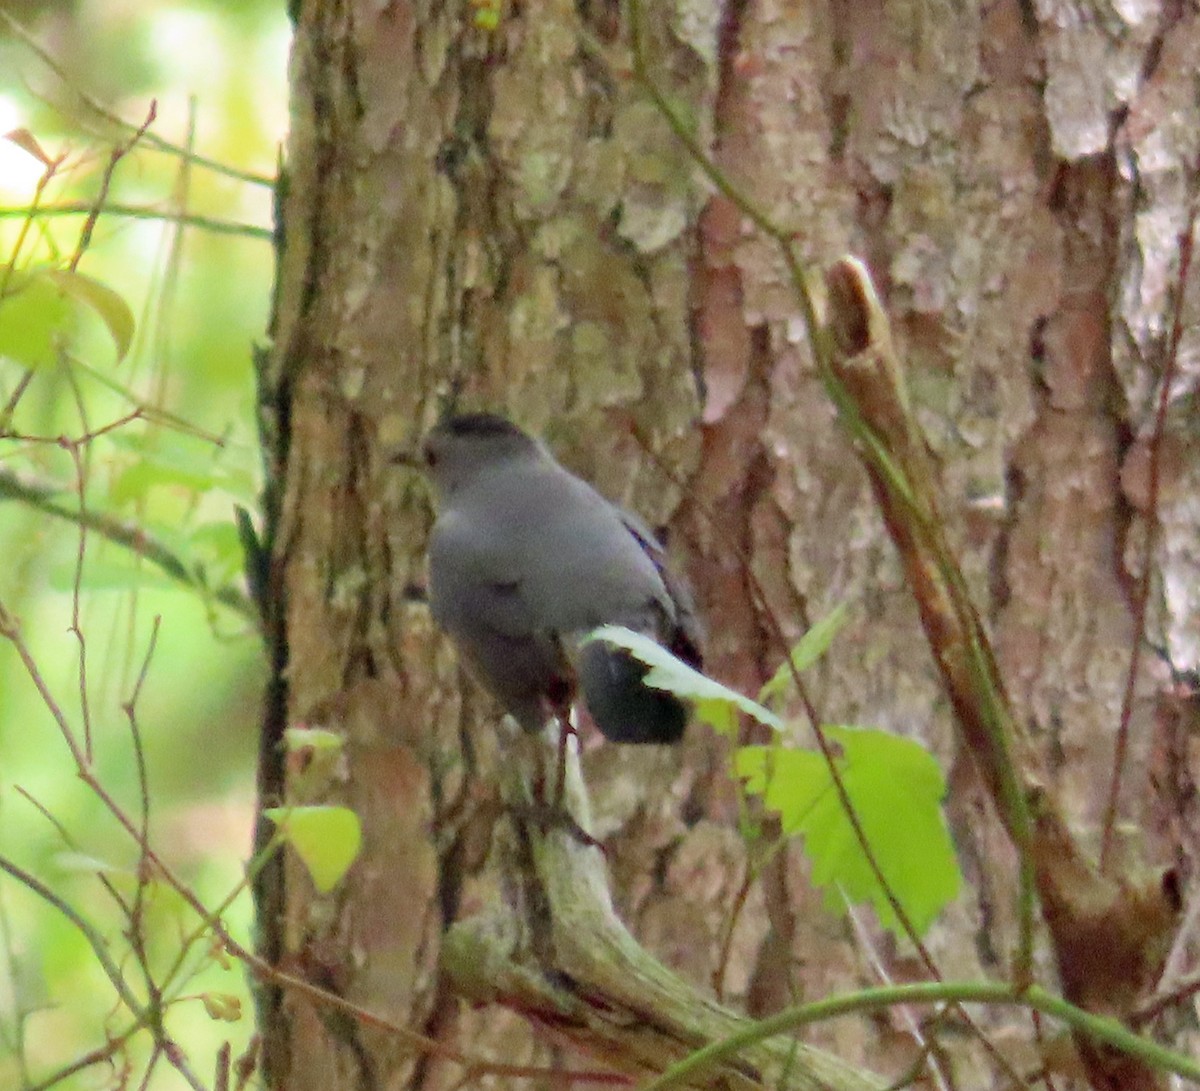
x,y
503,215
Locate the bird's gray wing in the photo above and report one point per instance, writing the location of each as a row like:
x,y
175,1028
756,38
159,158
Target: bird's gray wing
x,y
470,582
685,634
479,597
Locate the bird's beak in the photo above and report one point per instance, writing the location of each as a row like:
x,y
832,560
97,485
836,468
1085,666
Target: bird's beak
x,y
406,456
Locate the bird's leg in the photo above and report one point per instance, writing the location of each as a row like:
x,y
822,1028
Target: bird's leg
x,y
548,813
558,710
562,717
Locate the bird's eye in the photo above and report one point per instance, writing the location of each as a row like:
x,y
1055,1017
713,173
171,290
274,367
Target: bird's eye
x,y
431,457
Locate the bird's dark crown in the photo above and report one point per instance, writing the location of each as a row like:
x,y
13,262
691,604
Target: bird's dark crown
x,y
481,425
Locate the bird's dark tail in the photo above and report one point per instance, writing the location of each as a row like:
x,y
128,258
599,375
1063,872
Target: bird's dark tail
x,y
623,706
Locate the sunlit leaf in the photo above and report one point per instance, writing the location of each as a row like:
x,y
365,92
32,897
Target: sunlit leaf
x,y
714,703
39,306
814,644
34,317
326,839
895,788
223,1007
110,305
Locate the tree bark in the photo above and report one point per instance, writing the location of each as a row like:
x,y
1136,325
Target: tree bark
x,y
504,215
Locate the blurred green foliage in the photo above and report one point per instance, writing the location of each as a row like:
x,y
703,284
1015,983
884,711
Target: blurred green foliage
x,y
176,449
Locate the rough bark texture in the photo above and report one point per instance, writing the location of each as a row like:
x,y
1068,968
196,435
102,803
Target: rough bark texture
x,y
506,213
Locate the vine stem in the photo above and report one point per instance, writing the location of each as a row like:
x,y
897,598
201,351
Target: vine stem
x,y
1035,998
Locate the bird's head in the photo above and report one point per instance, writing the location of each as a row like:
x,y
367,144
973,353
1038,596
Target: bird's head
x,y
462,447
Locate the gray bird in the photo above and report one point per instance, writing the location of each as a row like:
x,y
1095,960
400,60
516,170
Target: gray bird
x,y
524,559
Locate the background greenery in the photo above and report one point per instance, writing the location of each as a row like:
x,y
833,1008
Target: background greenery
x,y
200,298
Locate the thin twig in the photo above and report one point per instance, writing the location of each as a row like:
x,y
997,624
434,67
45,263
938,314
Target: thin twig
x,y
151,1063
66,442
6,272
130,710
1184,989
94,939
204,928
1039,1036
93,1057
152,414
142,212
10,630
256,965
10,407
77,597
222,1068
151,1014
1150,519
143,870
943,1079
115,155
729,926
65,835
9,267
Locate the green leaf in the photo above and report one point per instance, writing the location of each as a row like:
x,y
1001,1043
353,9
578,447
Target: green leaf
x,y
111,307
896,789
813,644
34,316
326,839
715,704
38,308
222,1007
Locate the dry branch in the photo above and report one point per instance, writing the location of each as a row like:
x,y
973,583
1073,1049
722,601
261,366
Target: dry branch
x,y
562,959
1111,934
